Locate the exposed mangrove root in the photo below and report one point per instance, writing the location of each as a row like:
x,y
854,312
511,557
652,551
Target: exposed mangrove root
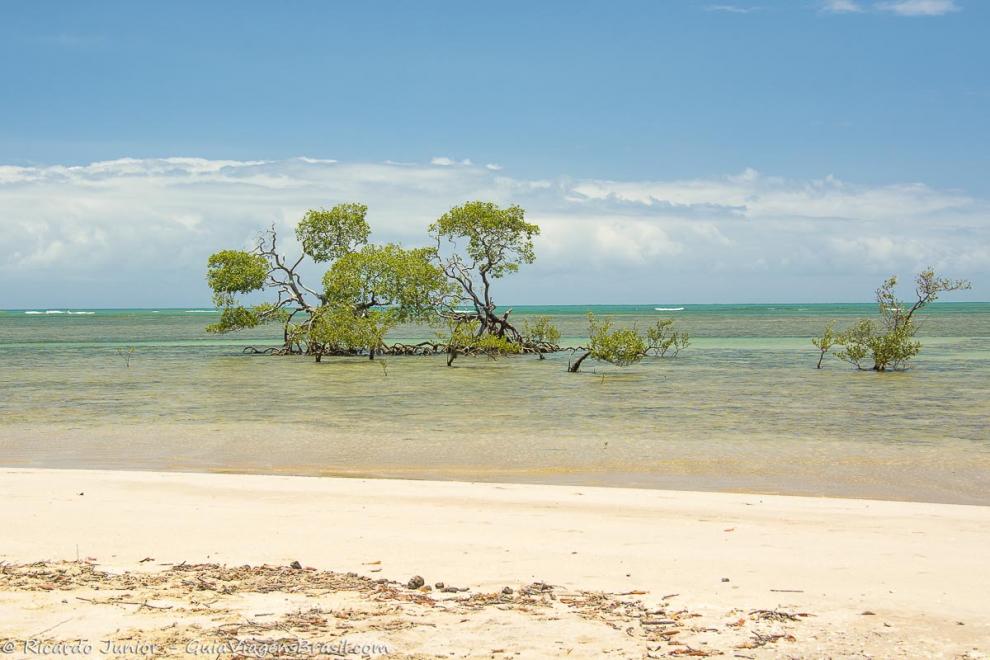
x,y
422,348
271,350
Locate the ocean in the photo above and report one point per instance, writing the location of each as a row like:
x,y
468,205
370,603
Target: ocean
x,y
742,409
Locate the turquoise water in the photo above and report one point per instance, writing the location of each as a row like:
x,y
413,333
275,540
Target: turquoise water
x,y
741,409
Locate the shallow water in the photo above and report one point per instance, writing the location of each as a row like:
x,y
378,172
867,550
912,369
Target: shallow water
x,y
741,409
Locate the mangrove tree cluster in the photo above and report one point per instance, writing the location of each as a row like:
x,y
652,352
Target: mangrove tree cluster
x,y
368,288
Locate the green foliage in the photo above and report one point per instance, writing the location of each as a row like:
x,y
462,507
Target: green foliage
x,y
368,292
328,235
236,271
460,334
626,346
541,331
825,343
498,239
620,347
484,242
343,329
886,347
661,338
464,337
269,312
404,281
494,346
889,344
927,287
855,343
236,317
230,272
828,339
387,276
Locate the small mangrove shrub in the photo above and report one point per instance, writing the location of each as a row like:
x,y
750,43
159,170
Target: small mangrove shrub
x,y
887,344
625,346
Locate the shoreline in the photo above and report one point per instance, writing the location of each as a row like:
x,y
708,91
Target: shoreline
x,y
951,473
692,483
919,568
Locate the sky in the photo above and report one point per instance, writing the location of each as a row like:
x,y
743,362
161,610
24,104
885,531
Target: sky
x,y
672,151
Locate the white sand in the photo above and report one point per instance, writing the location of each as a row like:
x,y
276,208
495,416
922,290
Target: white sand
x,y
923,569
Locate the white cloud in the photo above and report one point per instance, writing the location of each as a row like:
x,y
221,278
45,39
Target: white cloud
x,y
842,6
919,7
447,162
138,231
898,7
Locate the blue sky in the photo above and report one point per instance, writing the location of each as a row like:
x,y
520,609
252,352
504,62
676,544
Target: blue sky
x,y
855,99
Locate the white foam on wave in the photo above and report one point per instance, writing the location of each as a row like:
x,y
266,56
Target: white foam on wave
x,y
669,309
59,311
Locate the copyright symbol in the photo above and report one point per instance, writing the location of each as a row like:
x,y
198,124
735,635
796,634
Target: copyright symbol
x,y
8,647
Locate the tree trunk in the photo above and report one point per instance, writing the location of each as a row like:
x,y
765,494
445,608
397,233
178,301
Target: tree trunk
x,y
577,365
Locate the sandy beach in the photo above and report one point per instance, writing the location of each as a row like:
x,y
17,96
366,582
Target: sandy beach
x,y
495,329
140,562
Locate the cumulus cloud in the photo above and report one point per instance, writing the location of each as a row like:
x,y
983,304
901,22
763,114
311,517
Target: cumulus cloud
x,y
137,231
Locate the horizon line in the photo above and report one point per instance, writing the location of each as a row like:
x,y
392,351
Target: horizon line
x,y
595,304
